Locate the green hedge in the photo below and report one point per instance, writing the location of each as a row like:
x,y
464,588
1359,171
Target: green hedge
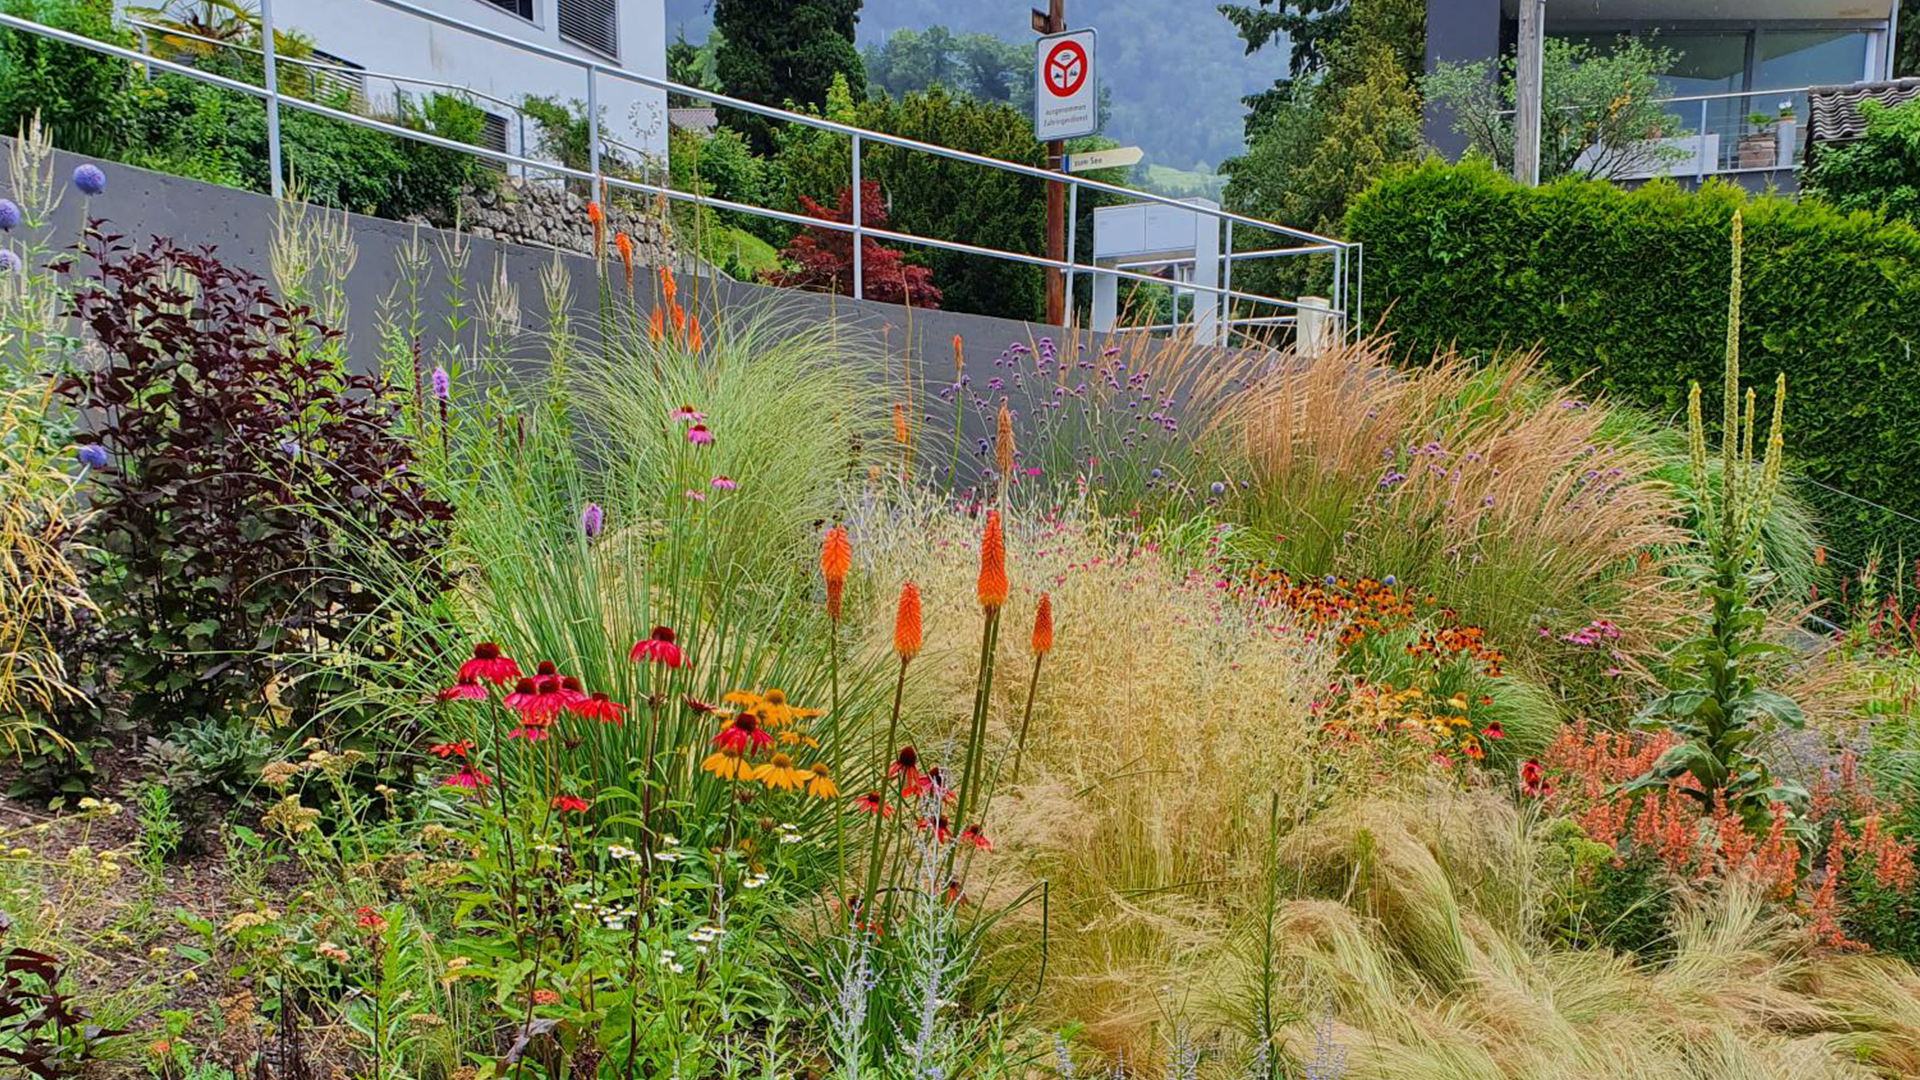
x,y
1629,289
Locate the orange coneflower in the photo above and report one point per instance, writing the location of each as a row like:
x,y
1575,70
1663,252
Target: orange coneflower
x,y
906,623
1003,440
624,245
836,558
781,774
728,765
821,786
993,565
1043,626
772,708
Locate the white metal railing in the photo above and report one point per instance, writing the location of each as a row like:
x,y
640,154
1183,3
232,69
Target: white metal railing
x,y
1348,270
1725,141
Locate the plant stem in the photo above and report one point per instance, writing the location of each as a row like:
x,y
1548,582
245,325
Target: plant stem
x,y
982,701
880,812
1026,717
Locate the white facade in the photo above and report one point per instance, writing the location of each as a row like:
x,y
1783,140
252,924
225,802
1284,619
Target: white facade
x,y
384,40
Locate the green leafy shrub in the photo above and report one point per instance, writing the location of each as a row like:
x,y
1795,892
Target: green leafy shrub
x,y
1595,898
83,97
246,467
1630,289
1879,172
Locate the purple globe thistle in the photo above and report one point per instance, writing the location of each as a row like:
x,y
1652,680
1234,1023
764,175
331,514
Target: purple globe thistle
x,y
92,455
442,384
592,520
9,214
89,179
1218,488
9,262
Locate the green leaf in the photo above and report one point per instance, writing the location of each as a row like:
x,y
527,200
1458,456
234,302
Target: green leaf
x,y
1772,704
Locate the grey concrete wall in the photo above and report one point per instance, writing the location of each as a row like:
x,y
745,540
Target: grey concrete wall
x,y
239,226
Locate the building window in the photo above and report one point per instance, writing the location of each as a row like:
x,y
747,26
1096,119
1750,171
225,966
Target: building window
x,y
590,24
522,8
493,136
340,81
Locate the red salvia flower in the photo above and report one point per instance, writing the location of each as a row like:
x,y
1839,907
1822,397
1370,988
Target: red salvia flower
x,y
570,804
658,647
450,749
742,735
468,689
489,666
872,804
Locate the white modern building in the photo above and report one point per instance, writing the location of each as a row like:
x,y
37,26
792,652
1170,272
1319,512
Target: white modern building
x,y
390,47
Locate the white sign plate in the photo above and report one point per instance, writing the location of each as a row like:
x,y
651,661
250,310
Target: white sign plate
x,y
1066,96
1119,157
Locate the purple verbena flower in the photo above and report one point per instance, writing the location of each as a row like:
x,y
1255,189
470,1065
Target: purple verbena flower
x,y
592,520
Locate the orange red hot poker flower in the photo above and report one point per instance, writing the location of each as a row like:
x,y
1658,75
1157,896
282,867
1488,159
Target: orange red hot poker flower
x,y
906,623
992,586
836,558
1043,626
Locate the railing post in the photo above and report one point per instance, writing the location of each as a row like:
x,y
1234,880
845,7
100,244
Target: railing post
x,y
859,264
1073,234
520,119
593,131
273,94
1700,159
146,49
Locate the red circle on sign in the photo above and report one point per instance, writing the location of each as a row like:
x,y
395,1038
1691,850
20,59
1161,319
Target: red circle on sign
x,y
1065,69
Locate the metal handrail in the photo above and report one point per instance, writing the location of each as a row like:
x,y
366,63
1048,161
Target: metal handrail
x,y
270,94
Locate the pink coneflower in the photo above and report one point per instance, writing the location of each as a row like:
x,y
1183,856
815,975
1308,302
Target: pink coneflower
x,y
724,483
696,496
467,689
742,735
468,777
658,647
698,435
570,804
686,414
599,707
488,665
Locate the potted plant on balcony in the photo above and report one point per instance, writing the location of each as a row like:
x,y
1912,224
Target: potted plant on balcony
x,y
1759,146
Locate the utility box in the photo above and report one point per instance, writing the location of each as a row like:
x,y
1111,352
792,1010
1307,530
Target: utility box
x,y
1142,236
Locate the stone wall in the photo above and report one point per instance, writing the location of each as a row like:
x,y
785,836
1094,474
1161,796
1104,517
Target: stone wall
x,y
544,214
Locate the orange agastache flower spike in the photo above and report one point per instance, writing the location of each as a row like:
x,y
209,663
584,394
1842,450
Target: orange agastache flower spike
x,y
623,244
1043,626
836,558
993,565
906,623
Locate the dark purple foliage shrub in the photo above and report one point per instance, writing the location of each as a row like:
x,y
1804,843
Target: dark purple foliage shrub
x,y
251,474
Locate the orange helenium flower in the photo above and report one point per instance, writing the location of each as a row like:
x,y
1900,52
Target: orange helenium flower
x,y
836,558
1043,626
993,565
906,623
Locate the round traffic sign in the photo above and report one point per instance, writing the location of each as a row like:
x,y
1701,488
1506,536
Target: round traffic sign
x,y
1065,69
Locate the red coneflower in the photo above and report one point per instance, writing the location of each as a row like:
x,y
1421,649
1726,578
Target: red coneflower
x,y
698,435
906,766
906,623
973,835
698,707
871,803
525,696
1043,626
942,830
531,732
935,780
836,558
450,749
1533,779
742,735
468,688
468,777
369,919
572,694
993,565
570,804
1493,730
489,666
600,707
658,647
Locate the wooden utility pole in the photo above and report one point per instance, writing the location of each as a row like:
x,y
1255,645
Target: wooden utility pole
x,y
1053,21
1527,83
